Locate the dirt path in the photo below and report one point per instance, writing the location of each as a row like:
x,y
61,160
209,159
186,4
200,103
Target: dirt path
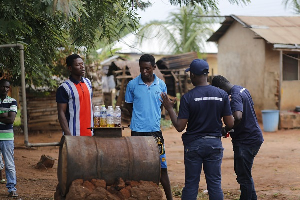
x,y
276,169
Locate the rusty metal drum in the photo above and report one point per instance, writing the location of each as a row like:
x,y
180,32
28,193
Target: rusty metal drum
x,y
130,158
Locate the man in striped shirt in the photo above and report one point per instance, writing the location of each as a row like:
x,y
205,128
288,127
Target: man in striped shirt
x,y
74,100
8,111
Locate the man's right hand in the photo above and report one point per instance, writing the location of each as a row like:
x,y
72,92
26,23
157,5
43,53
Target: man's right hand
x,y
166,101
224,132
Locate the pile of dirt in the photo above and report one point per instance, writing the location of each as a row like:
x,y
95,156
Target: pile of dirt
x,y
97,189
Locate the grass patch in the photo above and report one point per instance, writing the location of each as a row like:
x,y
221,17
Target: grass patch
x,y
164,124
17,121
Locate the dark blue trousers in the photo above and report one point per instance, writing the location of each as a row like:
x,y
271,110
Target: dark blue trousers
x,y
243,161
209,153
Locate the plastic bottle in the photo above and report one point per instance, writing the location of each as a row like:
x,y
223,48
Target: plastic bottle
x,y
117,116
110,117
103,122
97,116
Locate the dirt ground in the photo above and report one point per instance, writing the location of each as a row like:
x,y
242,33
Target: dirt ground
x,y
276,170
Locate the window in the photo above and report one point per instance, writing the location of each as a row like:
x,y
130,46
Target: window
x,y
290,67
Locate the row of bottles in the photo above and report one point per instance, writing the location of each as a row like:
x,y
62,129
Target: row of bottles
x,y
107,117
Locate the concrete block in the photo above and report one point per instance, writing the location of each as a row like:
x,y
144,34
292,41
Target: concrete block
x,y
286,124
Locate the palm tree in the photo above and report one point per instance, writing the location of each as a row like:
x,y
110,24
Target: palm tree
x,y
294,4
184,31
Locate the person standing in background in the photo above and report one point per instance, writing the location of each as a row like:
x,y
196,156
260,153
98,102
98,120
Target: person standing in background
x,y
202,110
142,101
246,137
8,112
74,100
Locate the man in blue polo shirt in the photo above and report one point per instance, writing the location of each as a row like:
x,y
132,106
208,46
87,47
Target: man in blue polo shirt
x,y
247,136
142,99
202,110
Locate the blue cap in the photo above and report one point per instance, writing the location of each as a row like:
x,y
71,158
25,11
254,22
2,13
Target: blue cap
x,y
198,67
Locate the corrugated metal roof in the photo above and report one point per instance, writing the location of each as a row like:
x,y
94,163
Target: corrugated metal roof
x,y
109,60
134,68
275,30
221,31
280,35
179,61
286,21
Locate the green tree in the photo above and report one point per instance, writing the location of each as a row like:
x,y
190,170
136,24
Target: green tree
x,y
184,31
52,29
294,4
206,4
50,34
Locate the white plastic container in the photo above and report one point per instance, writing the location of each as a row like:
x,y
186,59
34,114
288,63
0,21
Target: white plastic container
x,y
117,117
103,121
97,116
110,117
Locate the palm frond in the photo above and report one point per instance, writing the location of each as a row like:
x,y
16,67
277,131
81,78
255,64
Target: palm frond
x,y
184,31
293,4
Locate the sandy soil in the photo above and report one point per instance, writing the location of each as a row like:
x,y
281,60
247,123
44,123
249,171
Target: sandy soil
x,y
276,170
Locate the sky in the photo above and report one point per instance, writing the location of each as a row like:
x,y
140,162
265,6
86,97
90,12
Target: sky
x,y
161,8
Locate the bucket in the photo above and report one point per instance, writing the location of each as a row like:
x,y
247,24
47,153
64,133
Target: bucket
x,y
270,120
130,158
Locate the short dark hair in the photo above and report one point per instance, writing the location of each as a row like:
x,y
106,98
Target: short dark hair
x,y
219,81
70,59
147,58
2,81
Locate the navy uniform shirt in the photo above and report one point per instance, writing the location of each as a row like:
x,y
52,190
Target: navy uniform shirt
x,y
248,131
203,106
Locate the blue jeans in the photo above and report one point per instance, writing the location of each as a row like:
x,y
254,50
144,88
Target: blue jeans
x,y
1,162
7,149
243,161
209,152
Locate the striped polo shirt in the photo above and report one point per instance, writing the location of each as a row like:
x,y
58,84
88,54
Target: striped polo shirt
x,y
78,96
7,105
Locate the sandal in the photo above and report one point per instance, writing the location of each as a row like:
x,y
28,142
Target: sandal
x,y
13,194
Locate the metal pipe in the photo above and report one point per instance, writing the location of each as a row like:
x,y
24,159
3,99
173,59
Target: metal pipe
x,y
42,144
280,83
286,46
26,142
11,45
24,95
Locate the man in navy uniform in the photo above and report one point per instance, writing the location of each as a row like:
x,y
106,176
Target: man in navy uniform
x,y
247,136
202,110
